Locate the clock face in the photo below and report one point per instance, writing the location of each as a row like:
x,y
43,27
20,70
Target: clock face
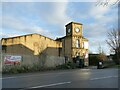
x,y
77,29
69,30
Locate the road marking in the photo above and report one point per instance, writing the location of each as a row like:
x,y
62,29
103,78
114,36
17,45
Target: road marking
x,y
55,84
8,77
103,77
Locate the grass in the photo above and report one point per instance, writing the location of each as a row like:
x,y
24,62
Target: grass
x,y
114,66
117,66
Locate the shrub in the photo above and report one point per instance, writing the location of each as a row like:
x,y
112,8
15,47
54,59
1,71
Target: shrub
x,y
116,59
35,67
68,65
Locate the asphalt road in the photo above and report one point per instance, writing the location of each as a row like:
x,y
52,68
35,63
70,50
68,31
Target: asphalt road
x,y
76,78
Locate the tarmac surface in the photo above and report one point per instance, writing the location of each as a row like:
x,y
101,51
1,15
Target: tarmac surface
x,y
75,78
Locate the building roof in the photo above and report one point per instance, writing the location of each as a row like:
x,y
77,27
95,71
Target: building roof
x,y
28,35
85,38
59,39
74,23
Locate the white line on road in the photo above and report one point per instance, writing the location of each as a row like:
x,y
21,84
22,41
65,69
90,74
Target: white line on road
x,y
103,77
7,78
49,85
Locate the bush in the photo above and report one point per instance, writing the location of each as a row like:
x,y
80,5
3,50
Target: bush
x,y
20,68
116,59
68,65
35,67
93,59
108,64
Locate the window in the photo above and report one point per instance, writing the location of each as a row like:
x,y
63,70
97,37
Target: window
x,y
83,45
77,43
4,48
86,45
77,54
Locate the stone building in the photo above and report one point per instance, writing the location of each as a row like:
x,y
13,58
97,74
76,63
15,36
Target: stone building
x,y
74,44
36,45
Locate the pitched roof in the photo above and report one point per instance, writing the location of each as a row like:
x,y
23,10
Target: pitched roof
x,y
27,35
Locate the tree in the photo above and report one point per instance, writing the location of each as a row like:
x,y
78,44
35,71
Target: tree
x,y
114,42
101,56
100,50
107,2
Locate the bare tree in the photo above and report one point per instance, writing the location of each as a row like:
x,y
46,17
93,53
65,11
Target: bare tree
x,y
107,2
114,42
100,50
101,56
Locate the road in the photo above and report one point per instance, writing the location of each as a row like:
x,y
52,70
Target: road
x,y
76,78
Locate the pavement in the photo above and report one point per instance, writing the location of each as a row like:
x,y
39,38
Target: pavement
x,y
75,78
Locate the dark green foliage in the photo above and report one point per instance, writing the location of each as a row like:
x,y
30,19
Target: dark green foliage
x,y
116,59
68,65
21,68
108,64
93,59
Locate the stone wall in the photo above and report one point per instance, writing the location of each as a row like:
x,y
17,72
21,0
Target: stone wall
x,y
52,61
45,60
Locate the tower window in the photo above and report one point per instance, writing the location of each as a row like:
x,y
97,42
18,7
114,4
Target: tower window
x,y
83,45
77,53
77,43
4,48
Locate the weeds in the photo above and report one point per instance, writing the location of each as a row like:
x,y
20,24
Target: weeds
x,y
35,67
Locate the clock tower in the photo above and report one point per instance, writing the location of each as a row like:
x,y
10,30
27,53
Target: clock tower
x,y
75,42
73,29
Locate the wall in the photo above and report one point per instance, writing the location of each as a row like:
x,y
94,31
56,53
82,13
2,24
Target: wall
x,y
33,48
33,42
47,61
52,61
68,43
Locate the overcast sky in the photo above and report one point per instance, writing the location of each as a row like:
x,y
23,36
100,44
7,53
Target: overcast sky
x,y
50,18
